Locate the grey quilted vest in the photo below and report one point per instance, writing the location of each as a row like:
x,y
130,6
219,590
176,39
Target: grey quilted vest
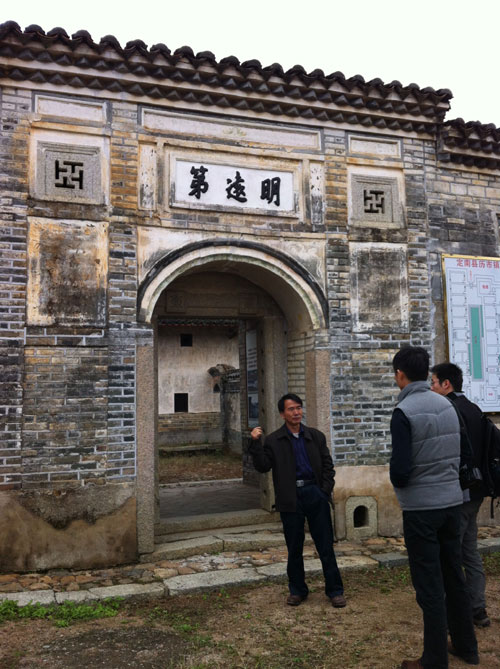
x,y
435,443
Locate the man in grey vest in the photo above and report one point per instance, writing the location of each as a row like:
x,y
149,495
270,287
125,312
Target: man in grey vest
x,y
424,472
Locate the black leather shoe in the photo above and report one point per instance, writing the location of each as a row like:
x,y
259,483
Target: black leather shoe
x,y
338,601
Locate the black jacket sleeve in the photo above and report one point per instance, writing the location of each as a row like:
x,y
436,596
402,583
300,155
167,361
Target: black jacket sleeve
x,y
262,456
401,462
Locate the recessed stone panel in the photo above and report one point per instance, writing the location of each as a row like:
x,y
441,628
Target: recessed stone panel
x,y
201,127
86,111
379,147
379,282
67,272
147,176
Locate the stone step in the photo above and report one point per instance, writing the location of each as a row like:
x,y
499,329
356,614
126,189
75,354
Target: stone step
x,y
212,521
239,529
237,540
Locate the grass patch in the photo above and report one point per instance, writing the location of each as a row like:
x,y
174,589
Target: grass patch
x,y
62,615
492,564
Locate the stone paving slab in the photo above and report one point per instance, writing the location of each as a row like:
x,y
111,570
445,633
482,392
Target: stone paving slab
x,y
191,583
30,597
390,559
313,567
273,572
130,591
353,562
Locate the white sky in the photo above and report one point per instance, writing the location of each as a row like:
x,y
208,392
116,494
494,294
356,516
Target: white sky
x,y
440,43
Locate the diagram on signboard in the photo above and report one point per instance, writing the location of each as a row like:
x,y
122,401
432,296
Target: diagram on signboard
x,y
473,311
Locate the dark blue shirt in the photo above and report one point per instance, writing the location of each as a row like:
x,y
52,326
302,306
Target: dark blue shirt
x,y
303,467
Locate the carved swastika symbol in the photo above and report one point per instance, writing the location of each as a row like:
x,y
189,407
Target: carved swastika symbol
x,y
374,201
67,174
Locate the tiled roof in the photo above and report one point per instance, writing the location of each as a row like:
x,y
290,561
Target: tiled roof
x,y
183,76
474,144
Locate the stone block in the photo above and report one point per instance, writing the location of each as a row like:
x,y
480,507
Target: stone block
x,y
489,545
32,597
274,572
77,596
130,591
190,583
390,559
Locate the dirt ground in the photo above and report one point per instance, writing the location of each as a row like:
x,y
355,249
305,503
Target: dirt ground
x,y
198,466
250,628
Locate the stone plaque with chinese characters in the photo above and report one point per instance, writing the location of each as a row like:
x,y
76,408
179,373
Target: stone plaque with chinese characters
x,y
375,201
202,185
69,173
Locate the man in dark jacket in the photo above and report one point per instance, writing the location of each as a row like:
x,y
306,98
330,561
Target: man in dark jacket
x,y
447,380
303,477
424,472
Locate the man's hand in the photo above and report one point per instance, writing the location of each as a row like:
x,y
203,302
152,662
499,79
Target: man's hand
x,y
256,433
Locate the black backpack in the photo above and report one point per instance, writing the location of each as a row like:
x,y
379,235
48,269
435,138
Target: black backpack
x,y
491,464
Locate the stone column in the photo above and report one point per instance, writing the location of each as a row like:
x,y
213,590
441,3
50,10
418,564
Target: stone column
x,y
273,384
147,410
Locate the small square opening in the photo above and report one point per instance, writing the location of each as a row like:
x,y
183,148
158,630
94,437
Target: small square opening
x,y
180,402
186,339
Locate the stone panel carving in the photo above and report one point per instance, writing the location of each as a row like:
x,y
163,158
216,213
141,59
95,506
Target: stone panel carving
x,y
379,281
69,167
67,272
375,201
68,172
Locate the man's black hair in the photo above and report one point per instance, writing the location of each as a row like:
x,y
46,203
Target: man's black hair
x,y
288,396
413,361
451,372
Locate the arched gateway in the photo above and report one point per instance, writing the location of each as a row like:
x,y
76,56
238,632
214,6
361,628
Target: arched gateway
x,y
289,336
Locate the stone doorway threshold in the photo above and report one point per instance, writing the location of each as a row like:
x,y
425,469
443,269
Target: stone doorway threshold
x,y
211,516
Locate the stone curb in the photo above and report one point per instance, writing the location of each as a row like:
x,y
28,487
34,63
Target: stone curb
x,y
489,545
224,578
391,559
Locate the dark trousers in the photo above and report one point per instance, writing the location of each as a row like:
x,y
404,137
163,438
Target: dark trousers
x,y
312,504
434,553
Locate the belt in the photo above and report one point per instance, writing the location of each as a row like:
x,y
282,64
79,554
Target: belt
x,y
300,483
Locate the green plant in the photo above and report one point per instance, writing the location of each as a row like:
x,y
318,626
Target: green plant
x,y
61,614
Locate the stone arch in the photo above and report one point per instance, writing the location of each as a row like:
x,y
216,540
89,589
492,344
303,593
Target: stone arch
x,y
292,285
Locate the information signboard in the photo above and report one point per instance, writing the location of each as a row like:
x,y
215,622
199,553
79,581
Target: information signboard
x,y
472,295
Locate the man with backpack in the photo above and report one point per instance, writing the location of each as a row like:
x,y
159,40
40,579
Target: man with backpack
x,y
447,380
